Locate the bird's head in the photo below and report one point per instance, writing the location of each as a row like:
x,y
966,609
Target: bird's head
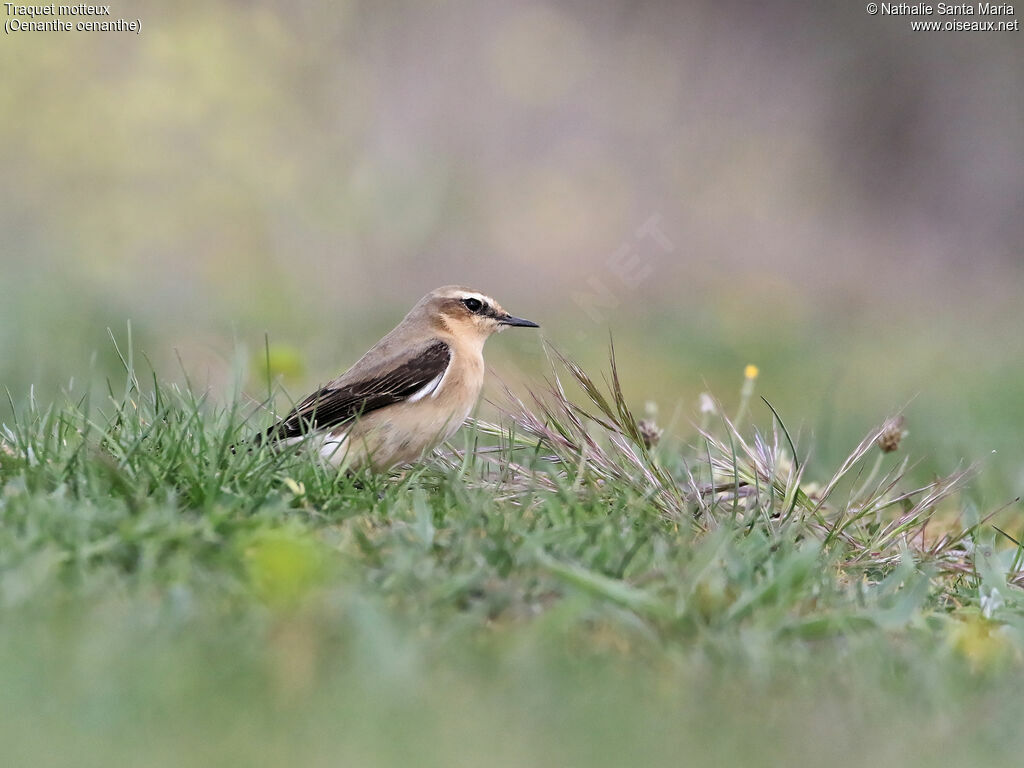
x,y
465,312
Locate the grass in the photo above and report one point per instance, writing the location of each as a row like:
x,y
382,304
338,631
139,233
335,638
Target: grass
x,y
560,587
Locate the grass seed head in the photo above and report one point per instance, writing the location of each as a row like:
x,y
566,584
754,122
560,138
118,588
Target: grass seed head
x,y
649,432
891,435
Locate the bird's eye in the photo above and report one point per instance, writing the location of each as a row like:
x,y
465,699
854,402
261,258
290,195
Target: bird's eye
x,y
474,305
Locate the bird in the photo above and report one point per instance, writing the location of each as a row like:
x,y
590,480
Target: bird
x,y
409,393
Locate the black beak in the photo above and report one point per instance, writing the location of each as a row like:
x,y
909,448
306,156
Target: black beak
x,y
517,321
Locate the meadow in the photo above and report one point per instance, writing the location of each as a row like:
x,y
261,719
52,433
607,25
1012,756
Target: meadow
x,y
560,585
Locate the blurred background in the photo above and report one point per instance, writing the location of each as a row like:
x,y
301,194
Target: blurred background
x,y
807,188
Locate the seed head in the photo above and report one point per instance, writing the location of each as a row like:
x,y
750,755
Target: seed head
x,y
891,435
649,432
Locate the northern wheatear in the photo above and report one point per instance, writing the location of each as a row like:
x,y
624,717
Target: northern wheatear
x,y
410,392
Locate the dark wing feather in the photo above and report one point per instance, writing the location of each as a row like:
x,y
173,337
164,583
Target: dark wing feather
x,y
335,405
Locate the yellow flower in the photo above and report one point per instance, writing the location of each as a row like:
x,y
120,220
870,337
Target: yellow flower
x,y
751,371
980,641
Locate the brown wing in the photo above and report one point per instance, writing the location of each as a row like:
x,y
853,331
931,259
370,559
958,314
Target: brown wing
x,y
339,404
